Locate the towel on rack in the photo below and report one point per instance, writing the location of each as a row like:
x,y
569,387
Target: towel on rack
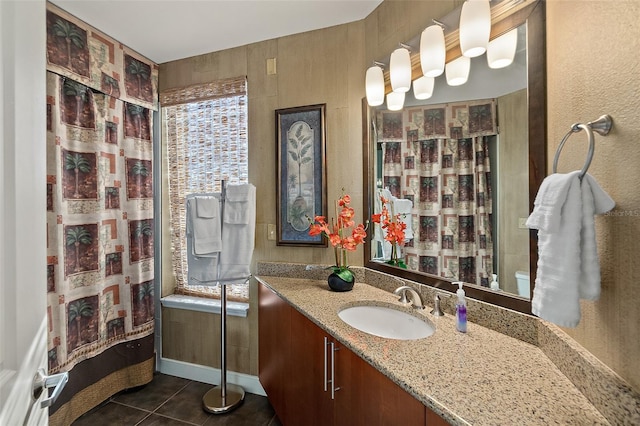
x,y
568,266
201,270
403,207
238,232
205,225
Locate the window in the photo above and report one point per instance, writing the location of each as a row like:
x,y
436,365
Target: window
x,y
205,129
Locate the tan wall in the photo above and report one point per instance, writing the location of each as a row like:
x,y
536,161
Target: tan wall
x,y
592,51
513,188
592,69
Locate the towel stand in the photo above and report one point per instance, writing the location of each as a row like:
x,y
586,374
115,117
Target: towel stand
x,y
602,126
224,398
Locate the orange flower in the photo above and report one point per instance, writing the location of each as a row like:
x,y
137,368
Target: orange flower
x,y
394,230
338,233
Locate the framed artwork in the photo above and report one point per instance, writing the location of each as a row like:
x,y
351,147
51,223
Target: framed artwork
x,y
301,181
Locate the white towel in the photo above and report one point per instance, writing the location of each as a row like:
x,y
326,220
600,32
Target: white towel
x,y
238,232
403,207
568,266
205,225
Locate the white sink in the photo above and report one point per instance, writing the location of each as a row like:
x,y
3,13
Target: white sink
x,y
386,321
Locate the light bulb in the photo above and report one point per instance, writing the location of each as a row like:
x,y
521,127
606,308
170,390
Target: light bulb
x,y
501,50
400,70
395,101
432,51
457,71
475,27
374,86
423,87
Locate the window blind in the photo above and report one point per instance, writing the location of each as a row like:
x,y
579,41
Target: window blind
x,y
205,129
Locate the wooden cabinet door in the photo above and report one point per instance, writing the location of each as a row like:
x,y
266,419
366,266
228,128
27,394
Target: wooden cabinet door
x,y
375,400
308,403
274,340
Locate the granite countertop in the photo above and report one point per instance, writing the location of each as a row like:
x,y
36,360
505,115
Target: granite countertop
x,y
482,377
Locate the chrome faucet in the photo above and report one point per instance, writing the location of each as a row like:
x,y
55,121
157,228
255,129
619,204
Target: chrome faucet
x,y
402,291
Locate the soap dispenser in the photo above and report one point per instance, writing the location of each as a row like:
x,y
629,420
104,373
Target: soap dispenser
x,y
461,309
494,284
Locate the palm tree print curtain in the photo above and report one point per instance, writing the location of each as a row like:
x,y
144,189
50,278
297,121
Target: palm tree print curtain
x,y
437,156
100,223
100,240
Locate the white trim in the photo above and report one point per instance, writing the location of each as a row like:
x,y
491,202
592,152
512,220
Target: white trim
x,y
205,374
202,304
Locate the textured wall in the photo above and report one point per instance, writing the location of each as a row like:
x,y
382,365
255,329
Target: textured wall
x,y
593,69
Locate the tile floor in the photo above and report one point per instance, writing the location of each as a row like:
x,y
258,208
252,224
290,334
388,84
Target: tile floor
x,y
173,401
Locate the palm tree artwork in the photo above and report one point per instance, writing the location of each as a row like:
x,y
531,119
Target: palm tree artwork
x,y
135,114
111,132
142,229
145,295
79,309
480,117
434,121
79,92
110,85
300,153
111,194
71,35
428,264
139,71
52,357
110,260
139,171
77,236
79,164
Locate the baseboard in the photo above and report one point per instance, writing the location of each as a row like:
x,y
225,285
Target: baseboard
x,y
202,373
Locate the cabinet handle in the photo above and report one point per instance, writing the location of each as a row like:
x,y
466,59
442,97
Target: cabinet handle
x,y
333,371
326,343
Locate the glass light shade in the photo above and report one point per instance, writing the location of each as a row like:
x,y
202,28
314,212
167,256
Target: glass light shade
x,y
457,71
400,70
395,101
475,27
432,51
423,87
501,50
374,86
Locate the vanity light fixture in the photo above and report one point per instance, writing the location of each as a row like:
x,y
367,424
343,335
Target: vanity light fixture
x,y
501,50
457,71
423,87
400,69
374,85
395,101
432,50
475,27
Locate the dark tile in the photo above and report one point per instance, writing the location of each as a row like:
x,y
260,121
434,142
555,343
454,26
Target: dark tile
x,y
275,421
186,405
254,411
154,394
112,414
157,420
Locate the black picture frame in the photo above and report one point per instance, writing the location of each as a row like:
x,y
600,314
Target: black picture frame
x,y
301,174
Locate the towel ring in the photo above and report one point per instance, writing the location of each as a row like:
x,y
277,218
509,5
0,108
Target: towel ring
x,y
602,126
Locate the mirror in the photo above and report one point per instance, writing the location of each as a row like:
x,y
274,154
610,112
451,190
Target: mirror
x,y
409,154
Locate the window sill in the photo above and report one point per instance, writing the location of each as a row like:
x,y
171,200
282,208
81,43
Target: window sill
x,y
201,304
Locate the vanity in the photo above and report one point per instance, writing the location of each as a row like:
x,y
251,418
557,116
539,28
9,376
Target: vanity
x,y
482,377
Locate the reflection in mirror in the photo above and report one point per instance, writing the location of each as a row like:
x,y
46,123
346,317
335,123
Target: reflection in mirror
x,y
456,168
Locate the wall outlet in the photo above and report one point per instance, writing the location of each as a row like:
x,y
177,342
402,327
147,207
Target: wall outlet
x,y
522,222
271,232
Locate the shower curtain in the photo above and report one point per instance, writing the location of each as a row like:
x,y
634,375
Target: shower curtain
x,y
437,156
100,223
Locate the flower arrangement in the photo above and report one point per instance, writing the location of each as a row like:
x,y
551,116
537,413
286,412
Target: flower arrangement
x,y
344,235
393,229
